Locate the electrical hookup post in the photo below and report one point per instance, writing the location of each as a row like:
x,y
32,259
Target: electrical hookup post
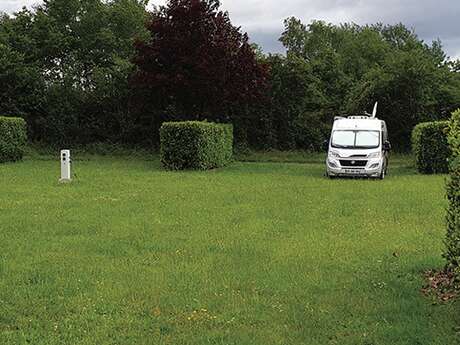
x,y
65,167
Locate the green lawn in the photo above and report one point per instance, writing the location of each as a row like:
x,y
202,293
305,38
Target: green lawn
x,y
257,253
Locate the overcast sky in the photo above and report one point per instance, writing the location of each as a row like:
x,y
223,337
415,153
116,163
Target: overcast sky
x,y
263,19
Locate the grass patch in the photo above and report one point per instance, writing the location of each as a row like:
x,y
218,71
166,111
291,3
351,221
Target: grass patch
x,y
257,253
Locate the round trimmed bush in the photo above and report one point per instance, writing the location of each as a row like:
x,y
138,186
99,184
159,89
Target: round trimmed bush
x,y
13,138
430,147
195,145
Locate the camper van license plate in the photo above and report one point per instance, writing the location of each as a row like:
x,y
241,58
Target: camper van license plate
x,y
353,171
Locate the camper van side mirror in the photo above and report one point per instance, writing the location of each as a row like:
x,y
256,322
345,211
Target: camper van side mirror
x,y
326,145
387,146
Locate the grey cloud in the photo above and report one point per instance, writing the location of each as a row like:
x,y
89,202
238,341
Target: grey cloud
x,y
431,19
267,40
10,6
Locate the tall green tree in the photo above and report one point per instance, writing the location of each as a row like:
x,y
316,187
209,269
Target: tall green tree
x,y
358,65
80,54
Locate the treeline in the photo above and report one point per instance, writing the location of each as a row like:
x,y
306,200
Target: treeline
x,y
341,70
93,71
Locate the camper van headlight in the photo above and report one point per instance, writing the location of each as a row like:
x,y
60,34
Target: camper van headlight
x,y
374,155
332,164
334,154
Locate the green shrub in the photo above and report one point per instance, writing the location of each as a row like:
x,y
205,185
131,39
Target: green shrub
x,y
13,138
454,134
195,145
430,147
453,195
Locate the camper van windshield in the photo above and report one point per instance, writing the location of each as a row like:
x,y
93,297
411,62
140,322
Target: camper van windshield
x,y
356,139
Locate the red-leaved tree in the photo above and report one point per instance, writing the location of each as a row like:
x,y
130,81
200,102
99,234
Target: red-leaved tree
x,y
197,65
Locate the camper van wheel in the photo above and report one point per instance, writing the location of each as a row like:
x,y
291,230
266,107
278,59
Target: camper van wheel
x,y
382,175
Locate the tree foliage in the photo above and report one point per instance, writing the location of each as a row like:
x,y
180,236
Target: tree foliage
x,y
67,64
353,66
82,71
197,65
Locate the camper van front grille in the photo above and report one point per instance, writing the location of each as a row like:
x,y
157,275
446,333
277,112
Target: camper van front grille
x,y
353,163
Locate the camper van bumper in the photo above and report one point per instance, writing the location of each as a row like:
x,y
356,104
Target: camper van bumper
x,y
371,171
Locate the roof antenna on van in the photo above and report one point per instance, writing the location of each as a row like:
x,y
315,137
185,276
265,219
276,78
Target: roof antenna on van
x,y
374,112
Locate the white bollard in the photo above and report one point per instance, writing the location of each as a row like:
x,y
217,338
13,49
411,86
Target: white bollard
x,y
65,166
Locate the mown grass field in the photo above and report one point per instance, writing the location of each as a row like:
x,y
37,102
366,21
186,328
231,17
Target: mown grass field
x,y
257,253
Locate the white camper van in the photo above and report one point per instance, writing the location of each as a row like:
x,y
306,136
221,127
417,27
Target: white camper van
x,y
358,146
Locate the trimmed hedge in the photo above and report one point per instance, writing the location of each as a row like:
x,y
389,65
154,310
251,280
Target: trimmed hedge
x,y
453,195
195,145
13,138
430,146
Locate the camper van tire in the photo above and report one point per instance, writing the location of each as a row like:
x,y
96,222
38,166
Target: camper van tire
x,y
384,173
329,176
